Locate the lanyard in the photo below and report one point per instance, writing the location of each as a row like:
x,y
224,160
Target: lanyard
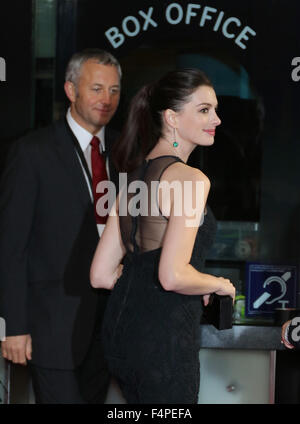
x,y
82,157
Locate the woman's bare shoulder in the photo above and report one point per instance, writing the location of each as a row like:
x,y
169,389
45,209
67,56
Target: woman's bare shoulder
x,y
180,171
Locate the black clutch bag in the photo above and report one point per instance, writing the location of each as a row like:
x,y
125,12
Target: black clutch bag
x,y
219,311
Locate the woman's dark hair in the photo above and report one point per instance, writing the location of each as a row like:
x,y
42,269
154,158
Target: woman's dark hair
x,y
144,123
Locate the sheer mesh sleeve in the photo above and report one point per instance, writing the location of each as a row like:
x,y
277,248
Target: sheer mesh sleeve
x,y
141,222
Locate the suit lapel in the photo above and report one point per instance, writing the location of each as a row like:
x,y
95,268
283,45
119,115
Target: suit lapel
x,y
68,156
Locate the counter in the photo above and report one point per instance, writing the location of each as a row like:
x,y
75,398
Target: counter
x,y
241,337
239,365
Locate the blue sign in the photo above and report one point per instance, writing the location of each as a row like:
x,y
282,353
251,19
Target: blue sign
x,y
269,287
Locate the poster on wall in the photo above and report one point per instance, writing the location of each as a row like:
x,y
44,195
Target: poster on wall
x,y
269,287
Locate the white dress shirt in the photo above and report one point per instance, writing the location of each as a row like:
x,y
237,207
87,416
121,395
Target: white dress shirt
x,y
84,138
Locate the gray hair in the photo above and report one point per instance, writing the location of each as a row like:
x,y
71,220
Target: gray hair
x,y
78,59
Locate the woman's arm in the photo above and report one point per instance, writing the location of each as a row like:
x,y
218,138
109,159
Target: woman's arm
x,y
106,266
175,271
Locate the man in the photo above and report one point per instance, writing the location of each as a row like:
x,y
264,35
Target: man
x,y
48,235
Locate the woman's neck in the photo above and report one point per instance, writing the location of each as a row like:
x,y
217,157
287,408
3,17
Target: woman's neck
x,y
166,147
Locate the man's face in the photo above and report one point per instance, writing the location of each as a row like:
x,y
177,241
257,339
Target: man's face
x,y
96,97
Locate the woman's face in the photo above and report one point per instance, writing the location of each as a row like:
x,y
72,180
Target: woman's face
x,y
197,121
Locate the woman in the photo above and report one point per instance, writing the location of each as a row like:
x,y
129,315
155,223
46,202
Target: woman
x,y
152,318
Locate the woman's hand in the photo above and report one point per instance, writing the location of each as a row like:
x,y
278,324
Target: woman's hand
x,y
227,288
206,299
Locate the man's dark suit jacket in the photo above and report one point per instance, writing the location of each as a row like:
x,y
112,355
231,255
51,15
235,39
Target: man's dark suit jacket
x,y
48,236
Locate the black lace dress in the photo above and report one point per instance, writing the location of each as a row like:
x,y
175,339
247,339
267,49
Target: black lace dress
x,y
150,335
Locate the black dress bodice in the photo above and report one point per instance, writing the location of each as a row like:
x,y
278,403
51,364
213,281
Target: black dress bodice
x,y
145,324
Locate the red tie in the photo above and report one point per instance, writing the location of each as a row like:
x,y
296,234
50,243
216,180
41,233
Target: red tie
x,y
99,174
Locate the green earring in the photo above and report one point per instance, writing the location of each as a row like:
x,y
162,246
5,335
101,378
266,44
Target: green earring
x,y
175,144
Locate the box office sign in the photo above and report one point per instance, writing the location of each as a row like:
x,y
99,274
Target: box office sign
x,y
269,287
132,25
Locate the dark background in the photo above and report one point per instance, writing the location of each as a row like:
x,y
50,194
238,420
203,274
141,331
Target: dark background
x,y
16,93
253,165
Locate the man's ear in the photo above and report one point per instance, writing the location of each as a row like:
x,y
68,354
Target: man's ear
x,y
170,117
70,91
